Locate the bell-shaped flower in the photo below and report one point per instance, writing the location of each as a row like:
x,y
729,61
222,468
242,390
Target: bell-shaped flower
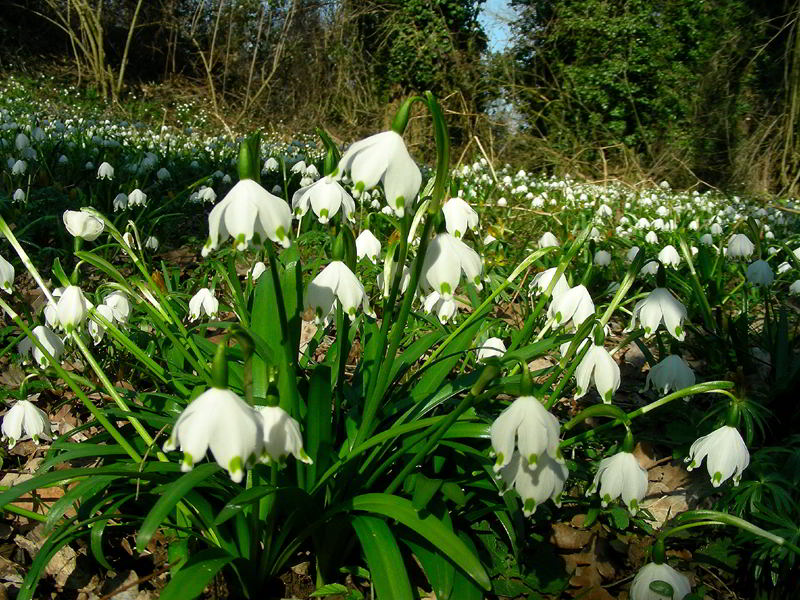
x,y
84,225
725,452
706,239
137,198
654,572
574,305
459,216
384,157
47,338
660,307
163,174
21,141
120,202
151,243
447,257
368,245
491,348
669,256
651,237
325,197
257,270
602,258
6,275
119,304
740,246
631,255
311,172
299,167
794,288
221,421
96,328
535,482
203,303
386,277
548,240
525,426
23,420
599,367
444,308
207,194
19,195
672,373
541,282
271,165
620,476
282,435
72,308
129,240
247,213
105,171
336,283
760,273
19,167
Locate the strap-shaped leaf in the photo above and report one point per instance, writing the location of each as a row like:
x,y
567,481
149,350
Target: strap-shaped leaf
x,y
383,558
439,571
320,417
191,580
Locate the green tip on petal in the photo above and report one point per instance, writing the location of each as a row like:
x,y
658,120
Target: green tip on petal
x,y
400,202
678,330
280,232
360,186
716,479
607,397
236,468
532,459
558,317
529,506
647,330
499,461
445,288
188,462
303,457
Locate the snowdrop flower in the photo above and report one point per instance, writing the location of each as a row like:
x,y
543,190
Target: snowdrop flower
x,y
694,225
226,179
458,216
649,268
163,174
72,308
25,419
386,277
6,275
489,239
575,304
311,172
84,225
96,328
151,243
224,423
631,255
527,427
794,289
129,240
384,157
271,165
51,342
535,482
660,307
640,588
368,245
306,181
21,141
19,167
447,257
276,189
19,195
602,258
257,270
336,283
105,171
598,366
595,234
299,167
63,160
502,202
89,166
672,373
444,308
669,256
760,273
325,197
740,246
706,239
282,436
642,223
716,229
246,213
725,453
548,240
783,267
620,476
651,237
137,198
120,202
203,302
492,347
207,194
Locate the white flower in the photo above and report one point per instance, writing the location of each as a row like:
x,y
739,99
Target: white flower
x,y
96,329
794,289
19,167
72,308
151,243
336,282
622,476
120,202
25,419
651,237
311,172
548,240
224,423
271,164
602,258
105,171
527,427
163,174
386,277
445,308
6,275
631,256
669,256
120,306
535,483
458,216
725,453
649,268
326,197
660,307
299,167
760,273
246,213
129,240
19,195
81,224
716,229
51,342
257,270
367,245
21,141
282,435
597,365
706,239
384,157
740,246
672,373
447,257
207,194
137,198
541,281
492,347
640,588
575,304
203,302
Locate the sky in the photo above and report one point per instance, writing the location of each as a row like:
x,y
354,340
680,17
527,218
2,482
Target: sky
x,y
495,18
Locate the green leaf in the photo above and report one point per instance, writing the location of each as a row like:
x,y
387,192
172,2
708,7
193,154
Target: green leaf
x,y
383,558
329,590
85,488
439,571
319,441
240,502
424,489
192,579
167,502
621,517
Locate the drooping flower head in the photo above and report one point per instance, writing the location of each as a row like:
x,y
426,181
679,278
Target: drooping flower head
x,y
25,419
282,435
620,476
725,452
525,426
325,197
336,283
660,307
446,259
652,572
